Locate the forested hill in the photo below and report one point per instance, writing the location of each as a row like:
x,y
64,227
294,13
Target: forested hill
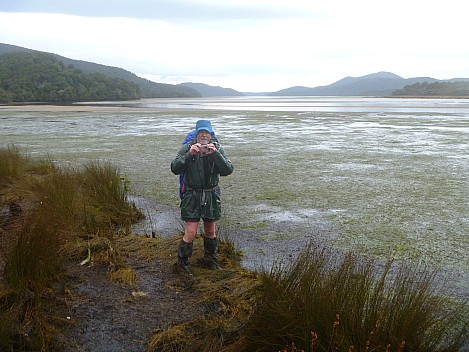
x,y
39,77
148,89
375,84
436,89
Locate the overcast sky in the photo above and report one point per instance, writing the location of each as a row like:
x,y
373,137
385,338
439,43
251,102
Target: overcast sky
x,y
248,45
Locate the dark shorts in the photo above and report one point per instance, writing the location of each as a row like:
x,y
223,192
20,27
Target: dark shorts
x,y
197,220
199,204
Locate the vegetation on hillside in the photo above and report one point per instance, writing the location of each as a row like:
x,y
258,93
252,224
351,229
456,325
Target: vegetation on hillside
x,y
147,88
436,89
322,301
39,77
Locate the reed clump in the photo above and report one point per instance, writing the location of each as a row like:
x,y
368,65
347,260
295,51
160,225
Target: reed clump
x,y
323,301
106,191
12,163
320,303
45,212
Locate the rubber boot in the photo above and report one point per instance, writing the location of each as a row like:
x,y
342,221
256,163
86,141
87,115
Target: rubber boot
x,y
184,253
210,253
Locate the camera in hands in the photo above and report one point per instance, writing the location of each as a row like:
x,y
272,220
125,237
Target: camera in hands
x,y
204,149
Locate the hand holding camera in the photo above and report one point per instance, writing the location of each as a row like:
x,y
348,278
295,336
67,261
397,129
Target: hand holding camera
x,y
202,149
206,149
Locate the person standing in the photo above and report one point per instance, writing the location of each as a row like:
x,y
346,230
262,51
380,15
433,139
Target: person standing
x,y
202,161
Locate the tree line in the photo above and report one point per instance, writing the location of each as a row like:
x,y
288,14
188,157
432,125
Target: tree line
x,y
442,89
40,77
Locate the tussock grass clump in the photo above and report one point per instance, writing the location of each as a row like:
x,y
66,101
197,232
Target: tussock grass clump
x,y
123,276
171,340
107,202
47,212
59,199
15,166
36,258
12,164
319,303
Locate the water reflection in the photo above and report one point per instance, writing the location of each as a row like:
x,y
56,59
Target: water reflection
x,y
326,104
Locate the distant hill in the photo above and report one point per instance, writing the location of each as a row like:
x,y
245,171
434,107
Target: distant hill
x,y
212,91
148,89
375,84
458,80
453,88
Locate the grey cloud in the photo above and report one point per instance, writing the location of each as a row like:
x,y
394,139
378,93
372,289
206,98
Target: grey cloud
x,y
149,9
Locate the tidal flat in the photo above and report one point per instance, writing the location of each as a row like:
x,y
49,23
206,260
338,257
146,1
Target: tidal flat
x,y
382,182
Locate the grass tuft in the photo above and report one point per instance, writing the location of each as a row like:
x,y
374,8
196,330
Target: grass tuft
x,y
170,340
47,212
12,164
353,303
123,276
107,191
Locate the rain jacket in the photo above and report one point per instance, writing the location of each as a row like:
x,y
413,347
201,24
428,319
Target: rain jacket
x,y
201,193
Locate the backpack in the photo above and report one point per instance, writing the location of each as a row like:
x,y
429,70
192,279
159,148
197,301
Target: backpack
x,y
190,136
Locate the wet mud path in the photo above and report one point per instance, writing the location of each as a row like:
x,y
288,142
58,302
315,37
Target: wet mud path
x,y
110,317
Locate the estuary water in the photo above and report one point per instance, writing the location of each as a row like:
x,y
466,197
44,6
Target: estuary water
x,y
379,176
329,104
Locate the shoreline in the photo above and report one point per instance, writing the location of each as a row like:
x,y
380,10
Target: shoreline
x,y
272,246
100,108
123,106
76,108
277,243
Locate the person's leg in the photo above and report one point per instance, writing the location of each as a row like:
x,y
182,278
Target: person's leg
x,y
210,228
190,231
185,246
210,245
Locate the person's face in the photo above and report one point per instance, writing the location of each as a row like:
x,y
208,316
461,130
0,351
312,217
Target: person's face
x,y
203,137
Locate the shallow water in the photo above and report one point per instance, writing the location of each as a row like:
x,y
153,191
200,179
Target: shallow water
x,y
377,176
324,104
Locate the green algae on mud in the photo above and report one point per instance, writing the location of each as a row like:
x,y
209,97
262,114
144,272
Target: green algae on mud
x,y
391,183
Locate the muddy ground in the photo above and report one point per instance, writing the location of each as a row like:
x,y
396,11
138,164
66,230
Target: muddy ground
x,y
110,317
